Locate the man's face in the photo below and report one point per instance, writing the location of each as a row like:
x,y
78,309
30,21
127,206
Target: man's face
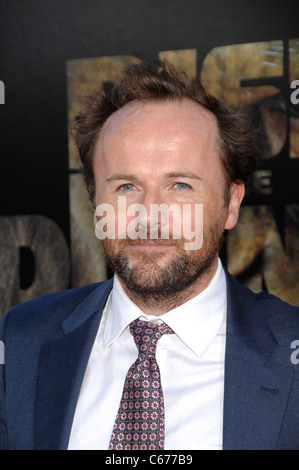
x,y
163,153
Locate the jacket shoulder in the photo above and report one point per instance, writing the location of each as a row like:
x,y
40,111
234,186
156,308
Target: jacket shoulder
x,y
264,304
49,309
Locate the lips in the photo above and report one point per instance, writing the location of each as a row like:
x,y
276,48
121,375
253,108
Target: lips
x,y
151,243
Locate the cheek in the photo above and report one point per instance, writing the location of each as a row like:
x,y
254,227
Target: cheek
x,y
191,220
213,212
99,184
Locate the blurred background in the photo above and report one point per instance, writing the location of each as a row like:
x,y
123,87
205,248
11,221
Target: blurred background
x,y
53,53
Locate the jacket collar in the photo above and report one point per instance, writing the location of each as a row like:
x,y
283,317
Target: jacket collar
x,y
94,302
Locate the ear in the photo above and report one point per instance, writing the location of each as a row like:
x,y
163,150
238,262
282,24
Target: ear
x,y
237,192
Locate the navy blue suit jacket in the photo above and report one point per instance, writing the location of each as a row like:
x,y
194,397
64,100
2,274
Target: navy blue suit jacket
x,y
48,342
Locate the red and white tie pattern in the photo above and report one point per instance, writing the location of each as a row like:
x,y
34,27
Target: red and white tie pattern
x,y
139,423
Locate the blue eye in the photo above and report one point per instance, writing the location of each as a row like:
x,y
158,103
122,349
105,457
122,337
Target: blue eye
x,y
182,185
127,187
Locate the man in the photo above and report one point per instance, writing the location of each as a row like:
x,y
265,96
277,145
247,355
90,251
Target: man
x,y
218,372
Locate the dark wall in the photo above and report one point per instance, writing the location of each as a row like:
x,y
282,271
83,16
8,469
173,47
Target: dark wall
x,y
38,37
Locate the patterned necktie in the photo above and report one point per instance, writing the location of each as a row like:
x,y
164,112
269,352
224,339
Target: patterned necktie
x,y
139,424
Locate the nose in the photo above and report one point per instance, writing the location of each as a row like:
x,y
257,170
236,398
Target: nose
x,y
155,218
150,199
152,196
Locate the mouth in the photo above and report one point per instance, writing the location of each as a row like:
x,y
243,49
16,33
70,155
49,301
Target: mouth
x,y
150,245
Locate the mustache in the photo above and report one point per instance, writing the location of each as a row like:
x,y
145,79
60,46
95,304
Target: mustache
x,y
145,241
150,235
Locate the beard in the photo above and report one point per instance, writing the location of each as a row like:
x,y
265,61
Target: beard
x,y
165,275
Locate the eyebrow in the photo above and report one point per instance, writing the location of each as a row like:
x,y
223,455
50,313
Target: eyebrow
x,y
176,174
180,174
121,176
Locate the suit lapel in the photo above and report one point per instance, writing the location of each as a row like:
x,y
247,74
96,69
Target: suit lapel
x,y
61,371
256,388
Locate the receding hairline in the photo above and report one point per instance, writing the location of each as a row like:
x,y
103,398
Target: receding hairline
x,y
133,105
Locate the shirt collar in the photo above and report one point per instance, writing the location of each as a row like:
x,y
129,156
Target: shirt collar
x,y
195,322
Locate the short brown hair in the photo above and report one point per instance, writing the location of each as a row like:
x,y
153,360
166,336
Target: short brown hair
x,y
157,81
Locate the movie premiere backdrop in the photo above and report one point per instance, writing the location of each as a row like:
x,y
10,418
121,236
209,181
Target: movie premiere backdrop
x,y
55,53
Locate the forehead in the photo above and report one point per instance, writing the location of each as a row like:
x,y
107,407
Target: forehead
x,y
183,118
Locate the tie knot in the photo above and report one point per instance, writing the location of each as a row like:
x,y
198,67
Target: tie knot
x,y
147,334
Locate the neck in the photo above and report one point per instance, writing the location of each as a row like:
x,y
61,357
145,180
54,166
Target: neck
x,y
157,304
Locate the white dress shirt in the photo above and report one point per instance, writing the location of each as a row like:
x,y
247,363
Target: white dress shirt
x,y
191,364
